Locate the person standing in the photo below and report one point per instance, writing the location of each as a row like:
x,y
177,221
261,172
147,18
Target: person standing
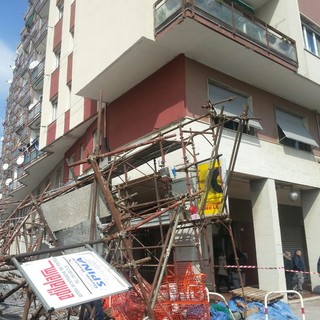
x,y
234,272
299,266
287,263
222,273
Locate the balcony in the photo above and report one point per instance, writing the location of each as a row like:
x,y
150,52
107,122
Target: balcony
x,y
34,113
42,7
41,34
228,41
22,132
21,122
22,65
37,73
24,95
26,43
31,156
232,23
29,14
14,185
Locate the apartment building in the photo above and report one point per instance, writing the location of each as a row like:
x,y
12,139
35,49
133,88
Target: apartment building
x,y
20,148
153,64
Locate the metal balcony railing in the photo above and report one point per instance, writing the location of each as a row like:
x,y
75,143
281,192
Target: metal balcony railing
x,y
228,18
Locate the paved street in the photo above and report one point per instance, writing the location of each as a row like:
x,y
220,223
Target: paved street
x,y
311,306
13,310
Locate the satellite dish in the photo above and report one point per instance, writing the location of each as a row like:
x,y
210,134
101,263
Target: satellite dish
x,y
2,138
20,160
31,106
9,81
8,181
0,196
33,64
5,166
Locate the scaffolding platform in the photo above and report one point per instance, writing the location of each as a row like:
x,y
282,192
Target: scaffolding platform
x,y
254,294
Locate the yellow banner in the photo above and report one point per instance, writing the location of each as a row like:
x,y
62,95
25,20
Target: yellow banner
x,y
214,195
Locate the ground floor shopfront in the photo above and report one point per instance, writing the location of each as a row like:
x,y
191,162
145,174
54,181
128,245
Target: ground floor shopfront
x,y
263,228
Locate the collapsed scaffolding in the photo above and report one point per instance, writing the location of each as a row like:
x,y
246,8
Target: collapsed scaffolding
x,y
25,231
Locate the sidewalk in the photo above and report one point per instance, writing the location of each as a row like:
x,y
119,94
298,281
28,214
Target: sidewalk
x,y
311,307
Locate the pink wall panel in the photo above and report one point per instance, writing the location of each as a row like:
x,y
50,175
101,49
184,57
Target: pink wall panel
x,y
57,34
72,15
311,9
51,134
154,103
54,85
66,121
87,142
90,108
69,68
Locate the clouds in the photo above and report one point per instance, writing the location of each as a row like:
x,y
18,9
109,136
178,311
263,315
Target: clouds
x,y
7,57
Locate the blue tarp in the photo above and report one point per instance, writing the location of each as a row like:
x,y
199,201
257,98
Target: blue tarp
x,y
277,310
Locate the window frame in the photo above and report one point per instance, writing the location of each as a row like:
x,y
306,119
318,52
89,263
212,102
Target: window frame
x,y
60,8
57,55
81,156
314,46
54,109
289,141
250,129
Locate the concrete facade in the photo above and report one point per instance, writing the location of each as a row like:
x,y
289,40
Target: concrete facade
x,y
149,80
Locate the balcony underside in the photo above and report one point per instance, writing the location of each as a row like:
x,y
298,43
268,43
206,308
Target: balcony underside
x,y
211,48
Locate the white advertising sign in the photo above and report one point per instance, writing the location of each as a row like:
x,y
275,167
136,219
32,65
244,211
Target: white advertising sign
x,y
72,279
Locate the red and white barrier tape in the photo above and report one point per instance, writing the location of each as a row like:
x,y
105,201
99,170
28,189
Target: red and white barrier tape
x,y
271,268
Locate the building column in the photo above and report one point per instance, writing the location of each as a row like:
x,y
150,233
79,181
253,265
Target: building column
x,y
310,201
267,234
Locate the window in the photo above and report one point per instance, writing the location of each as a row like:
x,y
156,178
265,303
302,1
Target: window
x,y
95,141
54,104
71,175
71,42
292,131
57,56
58,180
60,7
311,39
69,96
81,158
218,92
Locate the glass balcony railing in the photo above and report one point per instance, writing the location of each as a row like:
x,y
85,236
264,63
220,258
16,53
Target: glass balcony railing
x,y
229,18
40,4
42,31
20,122
15,185
166,11
34,111
37,71
22,131
31,156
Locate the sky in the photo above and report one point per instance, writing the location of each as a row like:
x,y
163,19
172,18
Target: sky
x,y
11,25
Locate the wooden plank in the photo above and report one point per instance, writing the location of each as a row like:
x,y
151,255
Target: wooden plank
x,y
254,294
